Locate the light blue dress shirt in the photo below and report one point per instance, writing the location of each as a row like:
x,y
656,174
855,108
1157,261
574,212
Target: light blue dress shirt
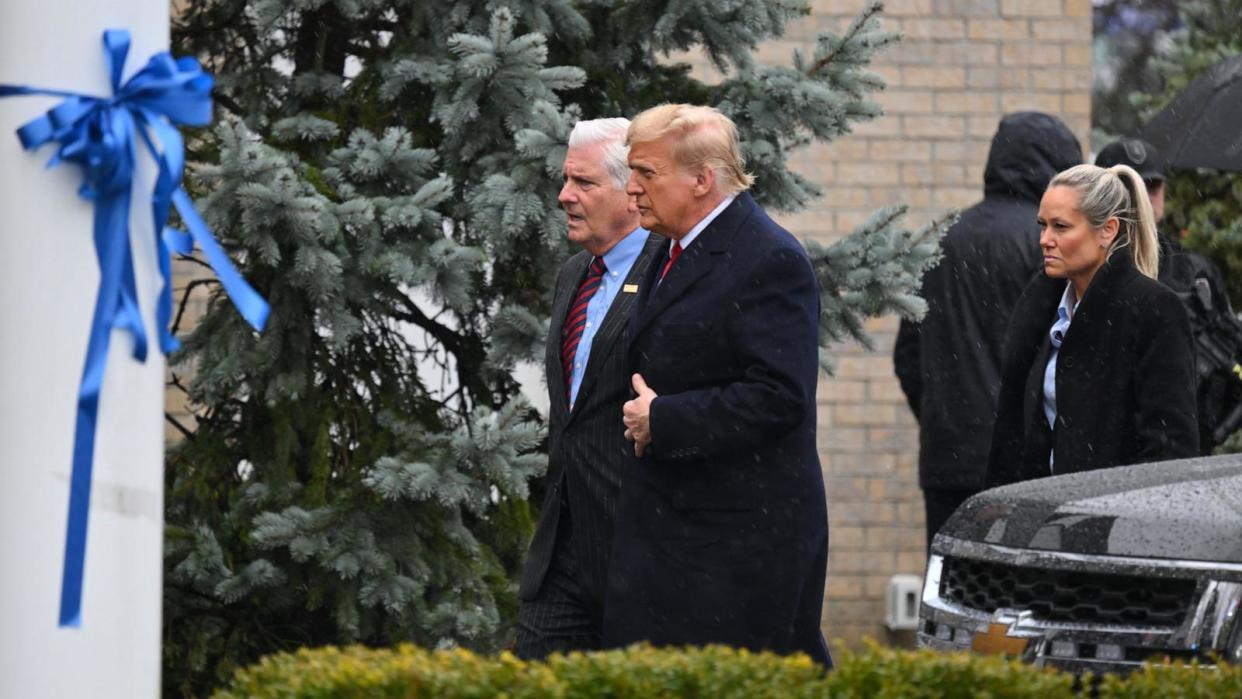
x,y
617,263
1065,313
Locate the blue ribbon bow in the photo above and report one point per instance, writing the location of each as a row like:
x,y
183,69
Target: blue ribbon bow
x,y
97,134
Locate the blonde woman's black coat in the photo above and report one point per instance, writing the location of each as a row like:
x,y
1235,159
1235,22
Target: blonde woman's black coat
x,y
1125,379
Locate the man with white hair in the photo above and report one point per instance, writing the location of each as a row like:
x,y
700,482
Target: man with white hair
x,y
722,527
563,581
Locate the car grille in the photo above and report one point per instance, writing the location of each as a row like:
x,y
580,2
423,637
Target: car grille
x,y
1060,595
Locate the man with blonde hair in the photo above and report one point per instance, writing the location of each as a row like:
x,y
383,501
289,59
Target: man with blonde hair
x,y
562,587
721,530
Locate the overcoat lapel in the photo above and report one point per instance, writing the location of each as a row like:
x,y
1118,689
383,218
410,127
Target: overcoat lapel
x,y
1034,460
1101,295
559,402
1039,346
695,261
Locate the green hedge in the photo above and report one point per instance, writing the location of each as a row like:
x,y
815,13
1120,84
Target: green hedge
x,y
710,673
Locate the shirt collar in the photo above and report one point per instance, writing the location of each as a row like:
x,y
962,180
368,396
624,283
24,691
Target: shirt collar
x,y
1069,302
623,254
698,227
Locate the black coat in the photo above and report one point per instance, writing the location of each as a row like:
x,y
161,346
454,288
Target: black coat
x,y
949,364
722,528
587,444
1201,287
1181,268
1125,379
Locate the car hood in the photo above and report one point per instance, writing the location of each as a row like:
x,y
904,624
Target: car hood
x,y
1189,509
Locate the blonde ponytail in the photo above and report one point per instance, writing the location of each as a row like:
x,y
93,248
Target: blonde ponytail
x,y
1145,248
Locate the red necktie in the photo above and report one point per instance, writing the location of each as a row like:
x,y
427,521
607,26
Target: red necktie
x,y
672,257
575,322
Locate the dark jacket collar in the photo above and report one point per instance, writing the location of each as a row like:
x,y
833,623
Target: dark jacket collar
x,y
1116,271
695,261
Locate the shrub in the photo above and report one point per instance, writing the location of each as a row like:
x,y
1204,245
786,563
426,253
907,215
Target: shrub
x,y
1175,680
640,671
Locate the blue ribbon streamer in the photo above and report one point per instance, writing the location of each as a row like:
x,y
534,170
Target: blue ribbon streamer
x,y
97,134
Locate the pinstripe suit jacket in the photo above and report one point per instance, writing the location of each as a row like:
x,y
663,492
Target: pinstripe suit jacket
x,y
586,444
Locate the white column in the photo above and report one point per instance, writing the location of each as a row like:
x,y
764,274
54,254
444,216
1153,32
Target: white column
x,y
48,282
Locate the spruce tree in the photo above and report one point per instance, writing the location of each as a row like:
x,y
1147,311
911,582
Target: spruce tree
x,y
385,172
1205,205
1128,36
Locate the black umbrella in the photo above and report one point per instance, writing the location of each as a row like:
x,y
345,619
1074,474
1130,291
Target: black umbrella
x,y
1202,126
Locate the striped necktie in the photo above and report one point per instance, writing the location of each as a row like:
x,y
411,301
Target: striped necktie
x,y
575,322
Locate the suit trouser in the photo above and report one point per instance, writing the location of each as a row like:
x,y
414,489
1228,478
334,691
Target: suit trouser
x,y
562,617
940,504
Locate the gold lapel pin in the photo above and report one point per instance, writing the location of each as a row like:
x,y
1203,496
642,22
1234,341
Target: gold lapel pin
x,y
629,289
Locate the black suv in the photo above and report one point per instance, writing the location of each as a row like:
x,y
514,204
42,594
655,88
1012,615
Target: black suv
x,y
1094,571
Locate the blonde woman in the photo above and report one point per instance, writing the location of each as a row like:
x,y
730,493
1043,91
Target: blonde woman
x,y
1099,368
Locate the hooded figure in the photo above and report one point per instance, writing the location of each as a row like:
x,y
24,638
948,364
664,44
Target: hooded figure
x,y
949,365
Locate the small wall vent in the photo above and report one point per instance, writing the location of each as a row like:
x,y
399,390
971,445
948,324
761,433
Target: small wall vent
x,y
902,613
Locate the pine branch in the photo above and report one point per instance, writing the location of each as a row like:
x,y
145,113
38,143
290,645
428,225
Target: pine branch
x,y
231,105
186,433
936,228
185,298
411,313
192,259
468,350
856,27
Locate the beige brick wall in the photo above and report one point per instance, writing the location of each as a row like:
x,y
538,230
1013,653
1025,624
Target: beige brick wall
x,y
960,66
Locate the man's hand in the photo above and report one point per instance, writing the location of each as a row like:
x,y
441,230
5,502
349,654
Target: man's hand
x,y
636,414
